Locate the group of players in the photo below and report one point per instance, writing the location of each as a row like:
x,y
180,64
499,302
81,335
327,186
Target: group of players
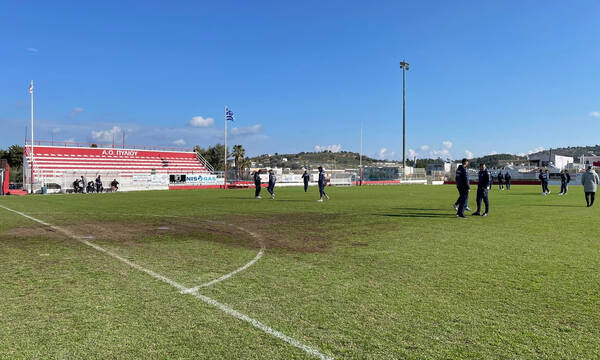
x,y
322,182
589,181
80,185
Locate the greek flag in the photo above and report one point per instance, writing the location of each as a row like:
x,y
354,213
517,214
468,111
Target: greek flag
x,y
228,115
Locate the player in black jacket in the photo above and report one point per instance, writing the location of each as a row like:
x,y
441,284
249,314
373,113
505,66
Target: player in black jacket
x,y
462,184
257,184
482,191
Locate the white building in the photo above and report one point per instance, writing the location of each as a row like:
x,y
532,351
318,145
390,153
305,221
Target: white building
x,y
545,159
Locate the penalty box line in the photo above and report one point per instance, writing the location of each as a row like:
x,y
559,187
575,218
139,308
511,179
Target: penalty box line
x,y
182,289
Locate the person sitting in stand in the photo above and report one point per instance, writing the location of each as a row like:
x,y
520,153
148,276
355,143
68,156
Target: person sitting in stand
x,y
114,185
76,186
99,187
90,187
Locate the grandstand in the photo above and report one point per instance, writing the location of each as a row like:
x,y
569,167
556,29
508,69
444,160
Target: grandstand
x,y
57,165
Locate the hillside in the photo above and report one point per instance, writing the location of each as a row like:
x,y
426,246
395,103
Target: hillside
x,y
341,160
575,151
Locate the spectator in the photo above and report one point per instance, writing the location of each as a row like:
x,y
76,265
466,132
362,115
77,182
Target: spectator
x,y
114,185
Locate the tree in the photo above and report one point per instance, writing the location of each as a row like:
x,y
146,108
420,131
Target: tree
x,y
15,156
238,154
94,145
214,155
244,164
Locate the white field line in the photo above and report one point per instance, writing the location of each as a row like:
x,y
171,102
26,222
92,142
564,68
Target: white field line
x,y
227,276
226,309
259,255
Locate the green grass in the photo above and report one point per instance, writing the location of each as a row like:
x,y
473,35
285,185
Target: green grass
x,y
375,273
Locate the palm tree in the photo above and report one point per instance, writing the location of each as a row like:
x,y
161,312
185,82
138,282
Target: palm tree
x,y
244,164
238,154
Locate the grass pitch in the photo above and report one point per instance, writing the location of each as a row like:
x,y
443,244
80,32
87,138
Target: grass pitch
x,y
375,273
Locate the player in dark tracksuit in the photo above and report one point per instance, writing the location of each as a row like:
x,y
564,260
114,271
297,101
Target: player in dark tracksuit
x,y
306,178
322,183
257,184
565,179
543,176
501,180
507,179
462,184
482,191
271,187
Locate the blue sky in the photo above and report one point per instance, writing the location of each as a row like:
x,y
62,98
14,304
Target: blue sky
x,y
485,77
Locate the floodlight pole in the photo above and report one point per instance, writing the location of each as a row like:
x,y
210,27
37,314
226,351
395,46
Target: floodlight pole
x,y
225,167
404,66
32,165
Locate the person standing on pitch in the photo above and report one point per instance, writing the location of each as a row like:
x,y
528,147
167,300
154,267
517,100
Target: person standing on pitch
x,y
590,180
544,180
507,179
257,184
565,179
271,187
547,179
491,180
322,183
500,180
462,184
482,191
306,179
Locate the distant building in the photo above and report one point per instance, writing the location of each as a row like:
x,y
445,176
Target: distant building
x,y
545,159
592,160
441,167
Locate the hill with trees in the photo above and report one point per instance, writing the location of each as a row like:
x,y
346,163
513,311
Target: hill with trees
x,y
574,151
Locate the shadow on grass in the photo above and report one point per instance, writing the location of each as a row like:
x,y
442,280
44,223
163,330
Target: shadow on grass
x,y
557,205
419,209
419,215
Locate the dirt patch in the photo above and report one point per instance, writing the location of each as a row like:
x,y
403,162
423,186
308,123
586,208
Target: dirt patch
x,y
302,232
31,232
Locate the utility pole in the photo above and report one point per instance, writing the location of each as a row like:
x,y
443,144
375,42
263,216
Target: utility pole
x,y
404,66
32,155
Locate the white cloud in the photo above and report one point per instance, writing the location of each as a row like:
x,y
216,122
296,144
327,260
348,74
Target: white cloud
x,y
251,130
384,154
447,144
32,50
412,153
595,114
75,111
424,147
106,135
179,142
70,140
536,150
468,154
332,148
444,153
494,152
199,121
56,130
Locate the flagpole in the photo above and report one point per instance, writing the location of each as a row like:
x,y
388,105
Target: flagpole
x,y
361,152
225,176
32,156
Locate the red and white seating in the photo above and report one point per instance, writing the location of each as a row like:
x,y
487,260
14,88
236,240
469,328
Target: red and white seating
x,y
61,164
49,159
